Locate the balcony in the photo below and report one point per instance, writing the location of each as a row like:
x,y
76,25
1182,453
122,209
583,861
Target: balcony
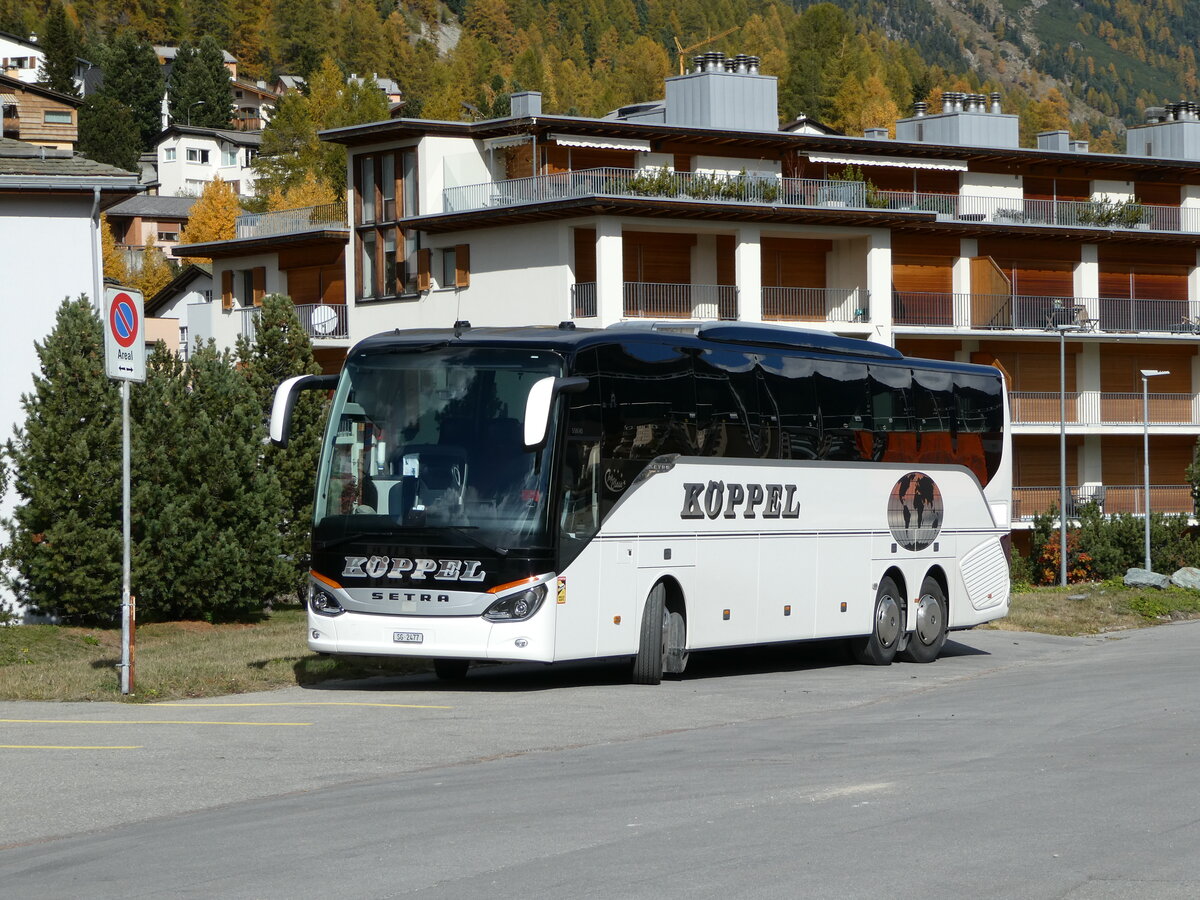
x,y
656,300
1101,408
1008,211
771,190
1112,499
798,304
329,216
662,183
320,321
1023,312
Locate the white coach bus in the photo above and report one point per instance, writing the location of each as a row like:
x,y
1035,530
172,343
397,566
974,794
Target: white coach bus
x,y
647,490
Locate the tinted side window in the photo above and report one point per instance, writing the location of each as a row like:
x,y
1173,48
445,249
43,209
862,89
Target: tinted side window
x,y
790,385
893,435
733,416
843,392
648,408
980,422
934,414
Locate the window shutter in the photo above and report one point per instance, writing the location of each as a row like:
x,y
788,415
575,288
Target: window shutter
x,y
424,265
227,289
260,284
462,265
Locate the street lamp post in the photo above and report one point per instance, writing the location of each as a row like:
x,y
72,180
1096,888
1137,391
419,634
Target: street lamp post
x,y
190,108
1062,330
1147,374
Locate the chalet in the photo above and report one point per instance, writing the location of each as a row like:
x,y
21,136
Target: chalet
x,y
189,157
38,115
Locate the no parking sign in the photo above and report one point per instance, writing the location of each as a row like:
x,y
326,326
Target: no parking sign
x,y
124,335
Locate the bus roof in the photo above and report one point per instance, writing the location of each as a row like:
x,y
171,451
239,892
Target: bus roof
x,y
568,339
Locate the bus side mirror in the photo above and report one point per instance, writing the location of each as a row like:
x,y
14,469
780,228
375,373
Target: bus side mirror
x,y
541,400
285,402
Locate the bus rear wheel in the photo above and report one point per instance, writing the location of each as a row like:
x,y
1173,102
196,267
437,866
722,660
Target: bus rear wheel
x,y
648,665
451,669
887,626
929,635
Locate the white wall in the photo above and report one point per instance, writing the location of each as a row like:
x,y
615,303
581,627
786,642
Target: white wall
x,y
206,320
35,278
519,276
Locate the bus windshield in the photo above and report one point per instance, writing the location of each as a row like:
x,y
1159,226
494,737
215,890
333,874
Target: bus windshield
x,y
427,446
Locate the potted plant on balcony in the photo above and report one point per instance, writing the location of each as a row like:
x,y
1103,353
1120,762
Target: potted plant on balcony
x,y
656,182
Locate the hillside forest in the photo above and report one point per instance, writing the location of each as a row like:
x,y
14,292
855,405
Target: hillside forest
x,y
1090,65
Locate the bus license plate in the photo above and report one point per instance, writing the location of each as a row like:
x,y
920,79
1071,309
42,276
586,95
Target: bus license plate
x,y
407,637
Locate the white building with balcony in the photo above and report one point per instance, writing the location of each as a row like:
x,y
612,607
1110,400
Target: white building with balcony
x,y
189,157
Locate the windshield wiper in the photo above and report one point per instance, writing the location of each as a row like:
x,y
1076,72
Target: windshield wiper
x,y
461,531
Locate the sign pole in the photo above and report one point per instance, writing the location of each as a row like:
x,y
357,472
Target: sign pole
x,y
126,674
125,361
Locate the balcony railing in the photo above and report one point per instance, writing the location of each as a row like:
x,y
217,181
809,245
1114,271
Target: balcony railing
x,y
769,189
1041,313
611,182
1063,213
1111,499
320,321
800,304
654,300
1100,408
583,300
292,221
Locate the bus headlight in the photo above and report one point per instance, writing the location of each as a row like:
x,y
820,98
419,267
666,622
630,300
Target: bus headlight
x,y
517,606
324,603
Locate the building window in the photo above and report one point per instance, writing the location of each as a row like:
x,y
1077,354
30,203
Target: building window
x,y
168,236
169,154
57,117
385,193
196,155
229,157
456,267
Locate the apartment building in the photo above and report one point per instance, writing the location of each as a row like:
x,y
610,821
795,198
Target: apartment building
x,y
188,157
949,241
38,115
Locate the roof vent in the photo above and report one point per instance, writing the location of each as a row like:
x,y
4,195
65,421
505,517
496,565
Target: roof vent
x,y
525,103
1056,141
920,108
1079,146
876,134
1155,114
995,97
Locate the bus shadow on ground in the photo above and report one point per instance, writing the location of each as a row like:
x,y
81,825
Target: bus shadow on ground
x,y
510,677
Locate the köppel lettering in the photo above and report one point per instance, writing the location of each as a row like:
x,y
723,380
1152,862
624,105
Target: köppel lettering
x,y
413,569
716,498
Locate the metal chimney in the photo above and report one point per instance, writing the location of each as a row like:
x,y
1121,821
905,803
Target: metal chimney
x,y
752,65
920,108
996,102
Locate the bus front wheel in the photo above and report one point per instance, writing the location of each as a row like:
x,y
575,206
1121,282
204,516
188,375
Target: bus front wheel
x,y
652,642
929,635
887,626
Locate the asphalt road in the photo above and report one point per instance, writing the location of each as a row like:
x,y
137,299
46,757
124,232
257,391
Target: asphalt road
x,y
1016,766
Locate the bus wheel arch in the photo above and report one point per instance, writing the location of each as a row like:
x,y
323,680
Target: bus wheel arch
x,y
878,648
931,619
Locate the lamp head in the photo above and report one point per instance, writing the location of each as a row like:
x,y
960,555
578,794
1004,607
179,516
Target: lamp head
x,y
1150,373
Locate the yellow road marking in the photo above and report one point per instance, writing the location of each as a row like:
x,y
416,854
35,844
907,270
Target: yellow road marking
x,y
143,722
312,703
58,747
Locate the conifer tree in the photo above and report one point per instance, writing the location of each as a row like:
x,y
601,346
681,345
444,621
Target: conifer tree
x,y
108,132
200,90
61,46
208,542
133,77
65,543
280,350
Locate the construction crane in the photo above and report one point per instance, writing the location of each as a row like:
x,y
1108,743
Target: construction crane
x,y
684,51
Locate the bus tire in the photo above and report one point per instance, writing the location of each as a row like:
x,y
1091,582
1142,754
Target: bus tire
x,y
675,657
652,642
451,669
887,628
929,635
